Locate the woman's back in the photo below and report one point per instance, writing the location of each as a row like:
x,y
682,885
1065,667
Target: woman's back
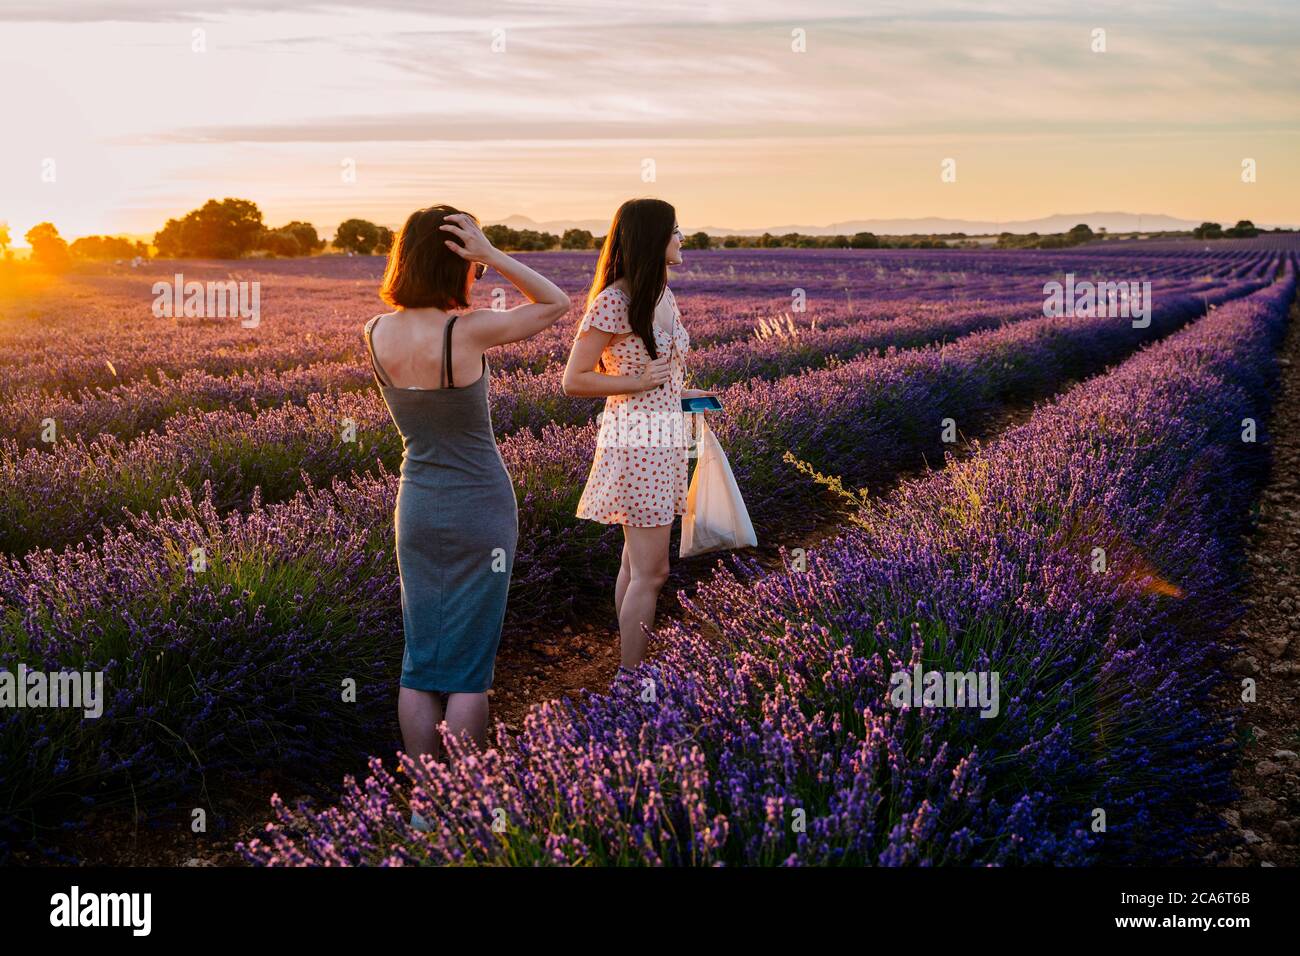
x,y
447,427
409,346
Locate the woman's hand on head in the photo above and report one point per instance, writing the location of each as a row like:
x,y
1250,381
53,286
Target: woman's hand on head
x,y
473,245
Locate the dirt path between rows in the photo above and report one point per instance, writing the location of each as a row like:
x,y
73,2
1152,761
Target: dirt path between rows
x,y
1267,817
563,663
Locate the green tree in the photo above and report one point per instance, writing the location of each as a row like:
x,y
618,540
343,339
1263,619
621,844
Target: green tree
x,y
864,240
520,240
1208,230
102,247
696,240
280,242
498,235
1244,229
4,239
357,235
530,240
576,239
48,247
309,240
228,229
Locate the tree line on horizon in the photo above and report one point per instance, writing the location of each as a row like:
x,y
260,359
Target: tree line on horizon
x,y
1244,229
234,229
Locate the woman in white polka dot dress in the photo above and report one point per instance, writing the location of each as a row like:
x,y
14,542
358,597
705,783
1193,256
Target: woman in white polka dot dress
x,y
630,347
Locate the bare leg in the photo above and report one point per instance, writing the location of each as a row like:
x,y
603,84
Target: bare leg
x,y
418,713
468,714
620,586
647,552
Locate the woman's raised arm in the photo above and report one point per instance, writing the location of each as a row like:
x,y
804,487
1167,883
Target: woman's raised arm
x,y
547,301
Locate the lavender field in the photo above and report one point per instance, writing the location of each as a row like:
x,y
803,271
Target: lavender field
x,y
129,444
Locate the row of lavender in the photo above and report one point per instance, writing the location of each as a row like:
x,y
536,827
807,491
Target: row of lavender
x,y
332,432
101,331
65,345
766,729
722,350
145,405
54,498
196,615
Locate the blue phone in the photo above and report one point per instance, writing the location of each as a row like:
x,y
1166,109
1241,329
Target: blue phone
x,y
701,403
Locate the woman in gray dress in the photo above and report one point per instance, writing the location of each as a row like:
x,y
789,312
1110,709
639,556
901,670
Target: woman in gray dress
x,y
456,517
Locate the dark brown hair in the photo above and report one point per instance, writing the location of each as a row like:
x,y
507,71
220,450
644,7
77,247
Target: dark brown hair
x,y
634,248
422,272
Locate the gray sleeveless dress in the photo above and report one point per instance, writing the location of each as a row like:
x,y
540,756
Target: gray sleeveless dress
x,y
456,525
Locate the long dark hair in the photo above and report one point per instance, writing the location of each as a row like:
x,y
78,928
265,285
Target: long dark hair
x,y
634,249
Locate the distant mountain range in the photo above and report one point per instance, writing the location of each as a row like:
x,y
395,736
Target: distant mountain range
x,y
1059,222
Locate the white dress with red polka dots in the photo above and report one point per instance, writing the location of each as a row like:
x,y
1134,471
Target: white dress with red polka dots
x,y
639,474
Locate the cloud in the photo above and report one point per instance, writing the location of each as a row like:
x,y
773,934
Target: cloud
x,y
712,90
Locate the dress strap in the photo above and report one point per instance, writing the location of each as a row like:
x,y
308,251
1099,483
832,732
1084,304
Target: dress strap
x,y
374,362
448,381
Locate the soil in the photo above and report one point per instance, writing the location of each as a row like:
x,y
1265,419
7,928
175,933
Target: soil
x,y
1267,817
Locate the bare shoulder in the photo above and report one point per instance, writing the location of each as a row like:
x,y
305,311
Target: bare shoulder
x,y
473,317
472,323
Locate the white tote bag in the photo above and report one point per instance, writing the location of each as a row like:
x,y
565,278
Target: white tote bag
x,y
716,517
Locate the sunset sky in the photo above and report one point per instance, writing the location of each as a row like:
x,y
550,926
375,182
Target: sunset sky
x,y
743,131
